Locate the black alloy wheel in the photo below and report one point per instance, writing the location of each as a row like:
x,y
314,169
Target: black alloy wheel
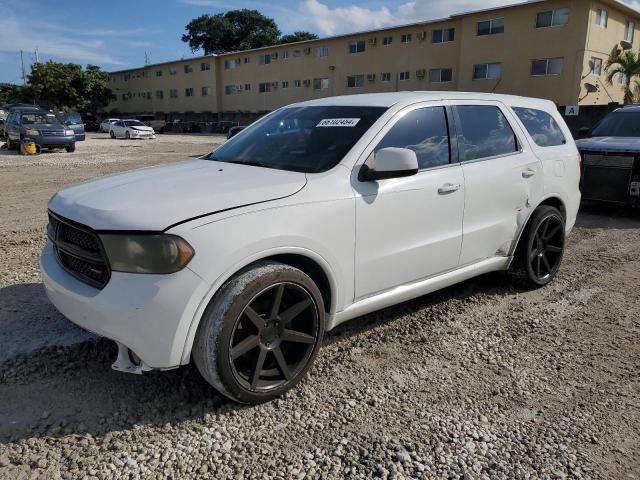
x,y
274,337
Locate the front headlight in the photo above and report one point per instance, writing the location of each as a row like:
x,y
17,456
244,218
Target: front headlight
x,y
31,133
68,133
152,253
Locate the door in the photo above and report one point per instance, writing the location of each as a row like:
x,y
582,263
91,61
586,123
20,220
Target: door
x,y
409,228
501,175
12,130
118,128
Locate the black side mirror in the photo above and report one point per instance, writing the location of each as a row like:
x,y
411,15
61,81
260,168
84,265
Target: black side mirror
x,y
584,132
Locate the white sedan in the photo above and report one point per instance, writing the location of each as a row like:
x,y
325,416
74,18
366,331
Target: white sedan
x,y
105,126
131,129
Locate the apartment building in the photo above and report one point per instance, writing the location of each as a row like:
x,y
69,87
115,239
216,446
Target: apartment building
x,y
554,49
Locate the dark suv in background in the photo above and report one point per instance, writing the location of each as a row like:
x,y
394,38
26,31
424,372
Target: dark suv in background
x,y
73,120
42,126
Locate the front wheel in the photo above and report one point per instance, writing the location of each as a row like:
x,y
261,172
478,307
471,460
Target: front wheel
x,y
127,135
70,148
260,333
540,249
111,134
9,144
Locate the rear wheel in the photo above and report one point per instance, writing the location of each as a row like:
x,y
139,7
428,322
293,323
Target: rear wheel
x,y
541,248
261,333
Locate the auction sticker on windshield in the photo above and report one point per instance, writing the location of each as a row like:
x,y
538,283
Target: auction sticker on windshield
x,y
338,122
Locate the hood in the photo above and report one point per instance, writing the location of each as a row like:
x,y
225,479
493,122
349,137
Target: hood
x,y
609,144
142,128
45,126
158,197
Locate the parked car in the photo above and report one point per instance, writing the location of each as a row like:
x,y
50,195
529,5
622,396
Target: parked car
x,y
105,125
2,121
317,214
130,129
45,129
90,123
233,131
611,158
73,120
158,125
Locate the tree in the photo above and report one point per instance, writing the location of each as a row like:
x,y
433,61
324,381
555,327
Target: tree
x,y
297,37
626,64
231,31
11,93
66,86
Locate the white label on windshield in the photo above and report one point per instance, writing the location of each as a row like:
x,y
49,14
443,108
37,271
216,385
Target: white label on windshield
x,y
338,122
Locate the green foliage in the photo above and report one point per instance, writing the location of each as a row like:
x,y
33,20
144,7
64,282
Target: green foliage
x,y
11,93
231,31
625,63
297,37
67,87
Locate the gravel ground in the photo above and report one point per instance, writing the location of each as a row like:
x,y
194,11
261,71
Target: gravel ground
x,y
477,381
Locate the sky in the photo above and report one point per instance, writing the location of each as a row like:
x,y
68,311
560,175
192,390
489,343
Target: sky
x,y
116,34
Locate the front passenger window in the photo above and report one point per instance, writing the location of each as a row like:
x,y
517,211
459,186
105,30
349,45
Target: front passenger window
x,y
483,132
424,131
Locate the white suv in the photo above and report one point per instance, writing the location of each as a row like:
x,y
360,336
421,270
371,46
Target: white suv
x,y
318,213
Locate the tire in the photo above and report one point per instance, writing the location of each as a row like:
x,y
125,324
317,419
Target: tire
x,y
239,334
111,134
127,135
70,148
540,249
9,144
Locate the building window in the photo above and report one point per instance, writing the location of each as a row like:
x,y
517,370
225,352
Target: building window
x,y
297,53
405,38
546,66
596,66
188,68
285,54
387,41
320,83
285,84
188,92
443,36
404,76
247,60
297,83
205,67
229,89
552,18
602,17
629,31
124,96
230,64
355,81
385,76
206,91
148,95
264,59
265,87
173,70
357,46
440,75
173,93
247,87
158,73
159,94
491,27
322,51
487,71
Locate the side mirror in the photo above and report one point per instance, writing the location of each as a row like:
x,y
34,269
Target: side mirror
x,y
584,132
391,162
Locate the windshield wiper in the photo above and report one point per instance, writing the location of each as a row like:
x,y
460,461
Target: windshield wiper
x,y
251,163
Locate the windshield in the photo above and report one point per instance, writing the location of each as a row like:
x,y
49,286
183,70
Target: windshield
x,y
134,123
301,139
37,118
71,118
618,124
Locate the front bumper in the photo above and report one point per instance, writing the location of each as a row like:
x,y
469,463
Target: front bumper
x,y
54,141
80,137
150,314
137,134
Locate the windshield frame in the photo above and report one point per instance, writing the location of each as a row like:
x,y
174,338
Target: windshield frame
x,y
133,123
304,151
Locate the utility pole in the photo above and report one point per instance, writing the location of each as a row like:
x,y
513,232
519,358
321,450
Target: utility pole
x,y
37,56
24,75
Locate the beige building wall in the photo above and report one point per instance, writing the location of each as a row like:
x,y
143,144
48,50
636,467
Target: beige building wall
x,y
234,79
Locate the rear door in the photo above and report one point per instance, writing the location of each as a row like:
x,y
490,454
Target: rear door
x,y
503,179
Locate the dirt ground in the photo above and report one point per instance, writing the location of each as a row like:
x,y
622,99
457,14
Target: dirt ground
x,y
478,381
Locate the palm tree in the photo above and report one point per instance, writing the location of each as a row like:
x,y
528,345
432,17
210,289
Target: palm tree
x,y
627,64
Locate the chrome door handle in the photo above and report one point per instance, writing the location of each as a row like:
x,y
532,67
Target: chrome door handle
x,y
449,188
528,173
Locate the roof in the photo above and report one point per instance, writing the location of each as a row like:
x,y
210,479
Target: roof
x,y
614,3
406,98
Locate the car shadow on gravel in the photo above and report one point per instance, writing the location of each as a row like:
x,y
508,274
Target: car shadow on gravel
x,y
72,390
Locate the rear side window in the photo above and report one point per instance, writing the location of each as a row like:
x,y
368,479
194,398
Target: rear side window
x,y
483,131
424,131
541,126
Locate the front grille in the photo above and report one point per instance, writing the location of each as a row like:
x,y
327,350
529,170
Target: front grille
x,y
79,251
607,177
50,133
